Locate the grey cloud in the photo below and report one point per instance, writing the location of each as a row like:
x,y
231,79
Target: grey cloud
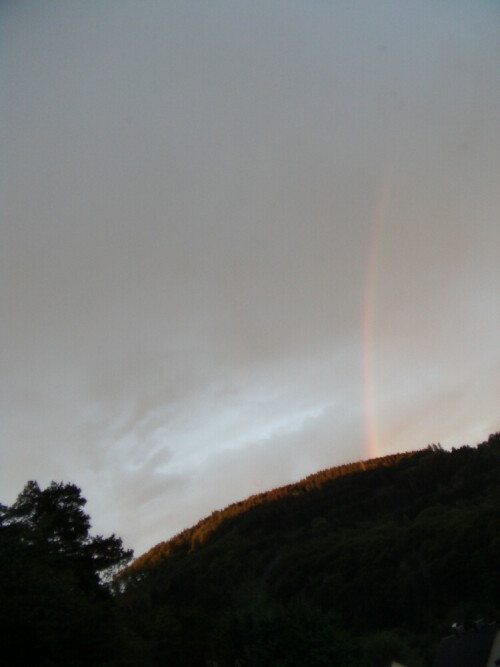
x,y
189,204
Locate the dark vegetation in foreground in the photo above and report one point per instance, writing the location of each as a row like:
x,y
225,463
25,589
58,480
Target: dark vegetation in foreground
x,y
356,565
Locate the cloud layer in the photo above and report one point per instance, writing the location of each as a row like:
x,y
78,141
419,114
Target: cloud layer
x,y
192,237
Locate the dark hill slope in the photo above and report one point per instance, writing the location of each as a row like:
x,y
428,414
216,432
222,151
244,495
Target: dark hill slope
x,y
307,490
350,566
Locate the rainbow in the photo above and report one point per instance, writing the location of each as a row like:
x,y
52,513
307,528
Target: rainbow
x,y
379,215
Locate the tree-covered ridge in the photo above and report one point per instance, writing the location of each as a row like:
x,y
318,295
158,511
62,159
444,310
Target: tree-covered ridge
x,y
354,567
196,535
348,569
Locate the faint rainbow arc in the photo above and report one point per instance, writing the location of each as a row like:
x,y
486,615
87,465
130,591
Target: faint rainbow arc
x,y
379,216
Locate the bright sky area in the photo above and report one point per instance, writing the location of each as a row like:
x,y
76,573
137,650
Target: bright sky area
x,y
241,242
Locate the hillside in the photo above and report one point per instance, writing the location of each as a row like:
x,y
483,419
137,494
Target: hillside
x,y
199,533
352,566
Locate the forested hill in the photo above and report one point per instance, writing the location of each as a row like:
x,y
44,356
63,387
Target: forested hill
x,y
353,566
195,536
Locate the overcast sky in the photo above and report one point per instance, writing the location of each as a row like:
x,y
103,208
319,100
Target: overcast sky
x,y
242,242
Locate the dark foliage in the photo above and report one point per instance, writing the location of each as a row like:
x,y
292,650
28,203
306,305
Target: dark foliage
x,y
56,608
354,566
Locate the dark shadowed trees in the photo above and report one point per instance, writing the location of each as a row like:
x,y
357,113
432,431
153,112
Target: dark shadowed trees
x,y
56,607
354,566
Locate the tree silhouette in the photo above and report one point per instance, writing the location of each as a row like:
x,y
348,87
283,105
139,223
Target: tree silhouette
x,y
56,607
53,520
